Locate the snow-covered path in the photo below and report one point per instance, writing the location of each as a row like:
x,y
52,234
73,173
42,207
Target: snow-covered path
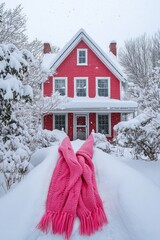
x,y
131,202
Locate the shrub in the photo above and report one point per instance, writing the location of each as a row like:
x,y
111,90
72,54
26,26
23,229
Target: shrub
x,y
142,134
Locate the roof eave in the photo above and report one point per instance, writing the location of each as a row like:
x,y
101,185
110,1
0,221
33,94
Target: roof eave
x,y
96,110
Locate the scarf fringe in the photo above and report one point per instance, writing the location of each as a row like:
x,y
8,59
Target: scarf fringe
x,y
92,221
44,223
60,223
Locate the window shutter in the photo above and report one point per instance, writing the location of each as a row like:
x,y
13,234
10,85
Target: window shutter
x,y
48,87
48,122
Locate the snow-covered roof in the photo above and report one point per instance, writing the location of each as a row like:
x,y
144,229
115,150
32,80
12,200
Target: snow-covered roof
x,y
98,104
107,60
114,60
47,61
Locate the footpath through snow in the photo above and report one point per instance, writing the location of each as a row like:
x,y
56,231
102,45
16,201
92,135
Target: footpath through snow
x,y
131,202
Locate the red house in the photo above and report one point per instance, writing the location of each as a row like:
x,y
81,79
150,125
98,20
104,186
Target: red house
x,y
93,82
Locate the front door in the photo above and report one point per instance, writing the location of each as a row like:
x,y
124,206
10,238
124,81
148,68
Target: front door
x,y
81,126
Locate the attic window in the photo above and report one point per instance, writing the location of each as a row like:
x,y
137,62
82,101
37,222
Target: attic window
x,y
82,58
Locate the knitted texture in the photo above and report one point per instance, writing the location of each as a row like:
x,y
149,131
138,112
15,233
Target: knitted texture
x,y
73,192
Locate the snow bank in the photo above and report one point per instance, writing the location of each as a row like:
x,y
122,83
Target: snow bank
x,y
130,200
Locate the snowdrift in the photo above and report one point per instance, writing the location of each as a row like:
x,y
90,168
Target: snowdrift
x,y
131,202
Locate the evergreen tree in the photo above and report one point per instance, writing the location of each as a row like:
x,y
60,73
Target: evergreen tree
x,y
14,154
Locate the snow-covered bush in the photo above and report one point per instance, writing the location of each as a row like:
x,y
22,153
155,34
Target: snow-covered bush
x,y
14,157
101,142
142,134
41,138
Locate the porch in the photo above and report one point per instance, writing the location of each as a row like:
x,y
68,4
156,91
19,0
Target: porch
x,y
80,116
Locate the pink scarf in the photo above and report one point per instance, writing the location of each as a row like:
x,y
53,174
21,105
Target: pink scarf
x,y
73,192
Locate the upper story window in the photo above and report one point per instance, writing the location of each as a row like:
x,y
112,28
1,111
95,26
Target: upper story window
x,y
103,87
82,57
60,85
81,87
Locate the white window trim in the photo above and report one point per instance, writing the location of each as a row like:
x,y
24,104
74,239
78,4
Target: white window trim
x,y
109,87
66,84
107,135
86,51
66,121
75,79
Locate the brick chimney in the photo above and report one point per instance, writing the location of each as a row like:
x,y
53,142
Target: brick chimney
x,y
46,48
113,47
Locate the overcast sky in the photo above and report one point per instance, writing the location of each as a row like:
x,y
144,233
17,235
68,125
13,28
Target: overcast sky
x,y
56,21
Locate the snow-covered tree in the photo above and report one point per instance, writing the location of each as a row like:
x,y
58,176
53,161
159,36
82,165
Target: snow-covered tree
x,y
142,133
13,30
150,96
138,57
14,154
13,26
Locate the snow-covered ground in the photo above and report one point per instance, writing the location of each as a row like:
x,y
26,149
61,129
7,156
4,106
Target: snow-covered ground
x,y
130,191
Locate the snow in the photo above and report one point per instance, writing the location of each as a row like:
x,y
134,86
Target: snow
x,y
13,68
114,60
47,62
3,187
150,169
133,123
97,102
131,201
9,85
27,91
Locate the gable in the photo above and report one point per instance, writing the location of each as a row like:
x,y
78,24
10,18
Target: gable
x,y
95,68
103,57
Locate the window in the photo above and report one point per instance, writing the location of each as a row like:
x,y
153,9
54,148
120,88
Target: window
x,y
124,116
60,122
81,87
82,57
103,124
103,87
60,85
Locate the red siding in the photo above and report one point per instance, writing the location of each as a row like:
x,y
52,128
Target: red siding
x,y
70,125
48,122
92,122
95,68
48,87
115,118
